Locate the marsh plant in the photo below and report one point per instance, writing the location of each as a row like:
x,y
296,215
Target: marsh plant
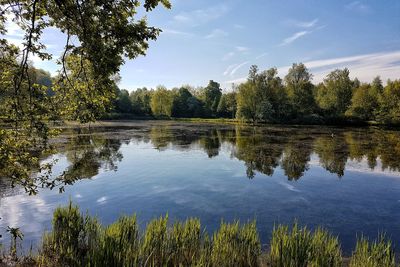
x,y
300,247
378,253
80,240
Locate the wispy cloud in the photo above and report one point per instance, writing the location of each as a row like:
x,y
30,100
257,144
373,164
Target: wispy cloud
x,y
364,67
307,24
358,6
261,56
237,50
216,33
175,32
294,37
228,56
232,69
201,16
238,26
242,48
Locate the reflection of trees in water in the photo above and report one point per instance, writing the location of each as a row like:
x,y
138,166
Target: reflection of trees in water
x,y
332,152
264,149
260,152
88,153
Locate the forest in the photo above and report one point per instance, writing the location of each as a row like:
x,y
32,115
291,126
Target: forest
x,y
264,97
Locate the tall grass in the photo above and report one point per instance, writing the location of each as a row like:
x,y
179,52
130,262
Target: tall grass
x,y
234,245
79,240
300,247
379,253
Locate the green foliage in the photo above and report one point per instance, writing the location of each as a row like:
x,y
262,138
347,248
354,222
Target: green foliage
x,y
123,103
73,235
262,97
227,105
105,32
300,247
211,95
140,101
334,95
364,102
117,244
325,250
78,240
389,110
162,102
376,254
235,245
185,105
300,90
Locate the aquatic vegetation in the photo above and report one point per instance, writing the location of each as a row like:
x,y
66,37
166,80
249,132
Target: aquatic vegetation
x,y
80,240
301,247
379,253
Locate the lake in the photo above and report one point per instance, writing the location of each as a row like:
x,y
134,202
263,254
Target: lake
x,y
344,179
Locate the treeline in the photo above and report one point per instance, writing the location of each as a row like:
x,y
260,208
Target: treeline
x,y
265,97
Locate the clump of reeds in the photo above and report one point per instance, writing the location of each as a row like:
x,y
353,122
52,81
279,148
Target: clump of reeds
x,y
234,245
379,253
79,240
301,247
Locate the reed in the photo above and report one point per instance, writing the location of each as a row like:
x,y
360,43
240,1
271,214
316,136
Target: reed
x,y
379,253
301,247
79,240
234,245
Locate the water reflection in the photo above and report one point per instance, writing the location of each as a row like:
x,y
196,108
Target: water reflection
x,y
261,149
200,170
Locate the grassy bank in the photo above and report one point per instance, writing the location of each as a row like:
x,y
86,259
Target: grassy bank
x,y
80,240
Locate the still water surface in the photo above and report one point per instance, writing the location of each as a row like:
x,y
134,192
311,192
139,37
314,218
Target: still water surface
x,y
345,179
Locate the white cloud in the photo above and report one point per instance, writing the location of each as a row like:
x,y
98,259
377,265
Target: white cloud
x,y
216,33
294,37
358,6
102,200
175,32
201,16
364,67
242,48
238,26
232,69
306,24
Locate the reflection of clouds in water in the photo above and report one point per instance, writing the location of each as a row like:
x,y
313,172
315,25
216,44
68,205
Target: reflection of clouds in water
x,y
26,212
78,196
289,187
102,200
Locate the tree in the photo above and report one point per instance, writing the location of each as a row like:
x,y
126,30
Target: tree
x,y
389,103
364,102
227,105
161,102
247,101
181,105
106,32
140,100
300,89
123,103
334,95
211,96
262,96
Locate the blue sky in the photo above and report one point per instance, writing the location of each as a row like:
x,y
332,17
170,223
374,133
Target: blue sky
x,y
219,40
